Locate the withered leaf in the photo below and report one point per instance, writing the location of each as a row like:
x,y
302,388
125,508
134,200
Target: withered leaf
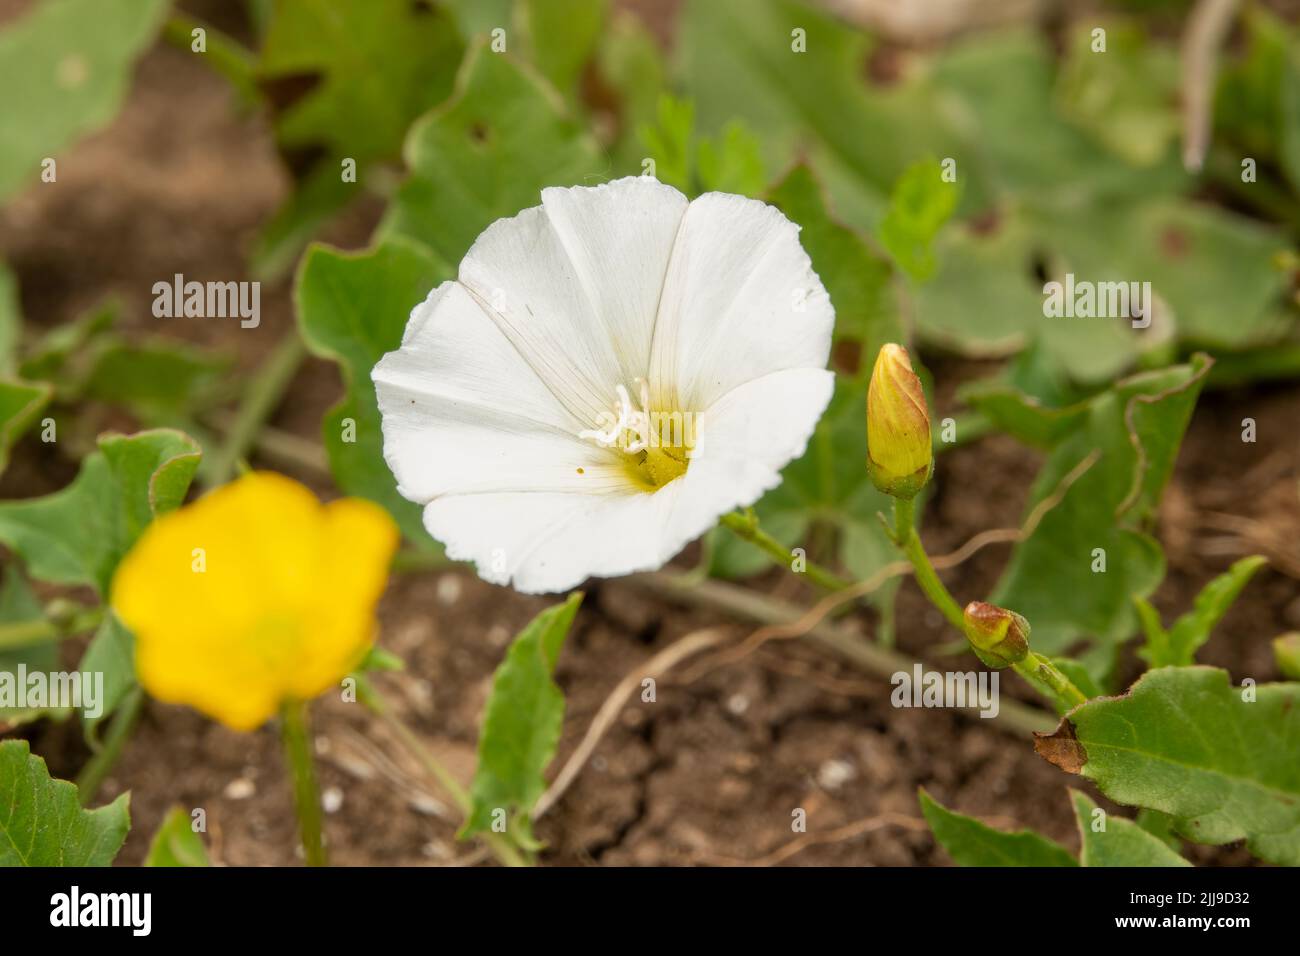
x,y
1061,747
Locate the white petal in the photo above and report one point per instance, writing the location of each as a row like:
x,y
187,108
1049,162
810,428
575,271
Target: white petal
x,y
741,300
463,412
619,237
553,542
542,542
574,284
745,438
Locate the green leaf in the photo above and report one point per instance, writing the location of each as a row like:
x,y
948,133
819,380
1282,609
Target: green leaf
x,y
857,278
36,651
985,301
1132,433
1178,646
43,824
971,843
374,66
111,652
1286,655
631,63
1258,103
1121,843
20,403
1161,826
668,141
11,320
1188,743
1003,89
77,535
65,354
732,163
176,844
487,153
158,380
562,36
1279,361
521,725
477,18
919,205
352,308
1202,261
1127,98
739,62
72,60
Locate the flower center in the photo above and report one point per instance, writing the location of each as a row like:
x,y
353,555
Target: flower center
x,y
656,444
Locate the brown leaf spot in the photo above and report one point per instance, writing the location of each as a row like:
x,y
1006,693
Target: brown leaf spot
x,y
985,223
1174,242
1062,748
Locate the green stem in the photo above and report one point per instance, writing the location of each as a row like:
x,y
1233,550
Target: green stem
x,y
909,542
1047,678
306,792
44,630
1038,671
119,732
263,394
227,56
745,526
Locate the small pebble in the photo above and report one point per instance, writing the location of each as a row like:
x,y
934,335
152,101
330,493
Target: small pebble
x,y
737,704
450,588
833,774
430,807
331,800
241,788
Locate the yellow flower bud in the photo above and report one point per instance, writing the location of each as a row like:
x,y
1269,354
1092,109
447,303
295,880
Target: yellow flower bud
x,y
252,595
1286,651
999,637
899,455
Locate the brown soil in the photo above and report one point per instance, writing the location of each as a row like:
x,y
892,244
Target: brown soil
x,y
711,772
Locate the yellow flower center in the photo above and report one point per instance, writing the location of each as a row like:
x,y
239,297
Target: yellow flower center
x,y
656,443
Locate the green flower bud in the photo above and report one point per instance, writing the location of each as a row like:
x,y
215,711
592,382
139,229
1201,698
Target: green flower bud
x,y
899,455
999,637
1286,651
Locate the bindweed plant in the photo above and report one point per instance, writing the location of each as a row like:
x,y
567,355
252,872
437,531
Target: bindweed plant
x,y
614,306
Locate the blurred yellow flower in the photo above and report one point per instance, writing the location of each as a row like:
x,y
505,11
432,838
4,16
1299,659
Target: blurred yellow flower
x,y
255,594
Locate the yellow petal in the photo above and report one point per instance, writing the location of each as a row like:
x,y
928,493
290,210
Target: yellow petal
x,y
252,594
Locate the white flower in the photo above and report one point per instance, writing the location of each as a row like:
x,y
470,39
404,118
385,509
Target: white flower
x,y
612,371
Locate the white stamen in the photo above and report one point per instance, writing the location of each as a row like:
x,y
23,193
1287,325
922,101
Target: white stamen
x,y
635,422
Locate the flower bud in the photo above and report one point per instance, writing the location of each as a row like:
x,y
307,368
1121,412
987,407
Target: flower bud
x,y
999,637
899,455
1286,651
